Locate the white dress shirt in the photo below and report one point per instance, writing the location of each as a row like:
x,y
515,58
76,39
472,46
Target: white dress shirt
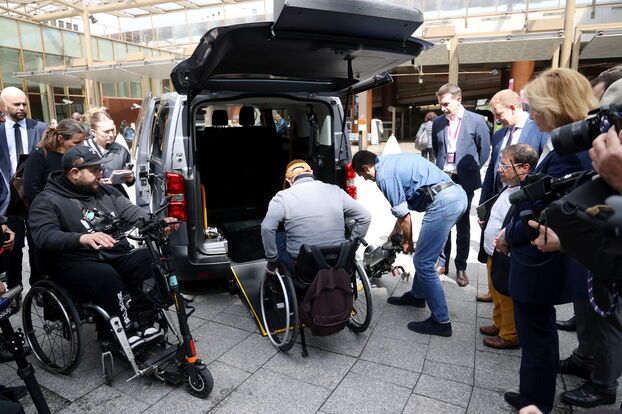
x,y
10,140
545,151
451,138
497,215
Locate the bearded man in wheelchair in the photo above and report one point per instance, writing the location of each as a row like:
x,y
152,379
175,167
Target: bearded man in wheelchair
x,y
70,224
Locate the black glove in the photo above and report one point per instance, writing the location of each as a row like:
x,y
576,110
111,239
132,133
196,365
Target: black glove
x,y
272,265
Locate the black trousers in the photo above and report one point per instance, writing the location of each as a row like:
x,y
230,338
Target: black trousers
x,y
463,236
537,333
103,283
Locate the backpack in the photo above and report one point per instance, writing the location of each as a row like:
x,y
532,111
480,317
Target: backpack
x,y
327,304
421,140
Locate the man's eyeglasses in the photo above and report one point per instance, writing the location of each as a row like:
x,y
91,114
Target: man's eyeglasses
x,y
2,114
508,166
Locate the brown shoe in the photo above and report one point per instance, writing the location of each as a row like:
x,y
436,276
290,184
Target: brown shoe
x,y
490,330
484,297
500,343
461,278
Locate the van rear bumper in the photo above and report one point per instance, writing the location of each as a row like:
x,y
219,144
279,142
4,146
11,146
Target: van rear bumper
x,y
199,267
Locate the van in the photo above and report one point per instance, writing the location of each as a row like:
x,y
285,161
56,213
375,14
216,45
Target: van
x,y
251,98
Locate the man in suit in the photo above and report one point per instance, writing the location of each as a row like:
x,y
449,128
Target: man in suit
x,y
18,135
461,141
517,128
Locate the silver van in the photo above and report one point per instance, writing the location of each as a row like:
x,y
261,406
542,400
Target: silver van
x,y
251,98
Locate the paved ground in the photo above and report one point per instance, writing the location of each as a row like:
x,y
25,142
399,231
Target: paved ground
x,y
386,369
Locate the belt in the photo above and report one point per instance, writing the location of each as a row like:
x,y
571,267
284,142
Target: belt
x,y
432,190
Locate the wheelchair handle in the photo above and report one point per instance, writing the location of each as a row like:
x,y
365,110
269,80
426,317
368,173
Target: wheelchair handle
x,y
12,293
361,240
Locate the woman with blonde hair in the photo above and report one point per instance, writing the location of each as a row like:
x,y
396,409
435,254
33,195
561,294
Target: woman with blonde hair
x,y
104,141
540,280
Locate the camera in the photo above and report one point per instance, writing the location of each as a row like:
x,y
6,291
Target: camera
x,y
578,136
542,187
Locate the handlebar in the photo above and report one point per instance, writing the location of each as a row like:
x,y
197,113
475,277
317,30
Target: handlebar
x,y
12,293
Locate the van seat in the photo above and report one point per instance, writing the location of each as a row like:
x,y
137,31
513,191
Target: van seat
x,y
247,116
220,118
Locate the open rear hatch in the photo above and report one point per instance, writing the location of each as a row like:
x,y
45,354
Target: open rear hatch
x,y
313,46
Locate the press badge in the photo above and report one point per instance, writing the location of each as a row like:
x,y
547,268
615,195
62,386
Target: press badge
x,y
451,157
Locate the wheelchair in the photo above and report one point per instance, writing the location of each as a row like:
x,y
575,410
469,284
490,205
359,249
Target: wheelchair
x,y
281,294
53,324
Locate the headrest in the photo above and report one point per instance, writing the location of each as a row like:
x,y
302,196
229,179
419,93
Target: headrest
x,y
220,118
247,116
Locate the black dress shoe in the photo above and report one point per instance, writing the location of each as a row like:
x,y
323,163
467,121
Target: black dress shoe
x,y
569,367
406,300
512,398
570,325
587,396
6,356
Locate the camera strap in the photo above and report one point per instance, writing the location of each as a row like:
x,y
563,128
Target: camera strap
x,y
590,294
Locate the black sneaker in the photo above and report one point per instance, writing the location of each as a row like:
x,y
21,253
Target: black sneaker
x,y
512,398
406,300
431,327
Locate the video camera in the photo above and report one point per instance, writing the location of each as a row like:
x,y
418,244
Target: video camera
x,y
578,136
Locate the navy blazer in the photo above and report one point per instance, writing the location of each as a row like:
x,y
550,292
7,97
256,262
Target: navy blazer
x,y
529,135
35,131
545,278
472,148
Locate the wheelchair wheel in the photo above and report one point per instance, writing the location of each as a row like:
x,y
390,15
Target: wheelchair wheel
x,y
52,327
362,308
279,310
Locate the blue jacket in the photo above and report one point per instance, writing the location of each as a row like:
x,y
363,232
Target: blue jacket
x,y
545,278
35,132
472,151
530,135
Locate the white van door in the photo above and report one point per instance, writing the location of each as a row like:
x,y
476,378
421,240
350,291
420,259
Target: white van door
x,y
141,150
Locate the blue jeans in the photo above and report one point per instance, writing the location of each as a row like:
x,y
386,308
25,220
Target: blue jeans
x,y
440,216
282,254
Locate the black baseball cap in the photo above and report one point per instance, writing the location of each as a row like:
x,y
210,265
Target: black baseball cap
x,y
80,157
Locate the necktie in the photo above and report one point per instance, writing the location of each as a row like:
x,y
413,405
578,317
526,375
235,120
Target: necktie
x,y
19,148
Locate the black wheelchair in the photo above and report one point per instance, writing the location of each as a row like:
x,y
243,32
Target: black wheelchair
x,y
281,293
53,323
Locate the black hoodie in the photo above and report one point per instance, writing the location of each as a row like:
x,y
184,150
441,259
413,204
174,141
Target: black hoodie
x,y
57,217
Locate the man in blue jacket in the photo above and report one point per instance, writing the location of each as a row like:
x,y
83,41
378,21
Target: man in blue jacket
x,y
461,141
410,182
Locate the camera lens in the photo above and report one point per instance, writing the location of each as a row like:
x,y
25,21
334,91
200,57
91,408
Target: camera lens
x,y
576,137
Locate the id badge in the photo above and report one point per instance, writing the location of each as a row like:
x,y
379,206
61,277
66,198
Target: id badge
x,y
451,157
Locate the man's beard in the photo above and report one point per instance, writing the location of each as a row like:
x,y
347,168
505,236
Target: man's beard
x,y
85,188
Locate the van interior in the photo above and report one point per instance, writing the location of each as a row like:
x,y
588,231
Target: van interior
x,y
242,150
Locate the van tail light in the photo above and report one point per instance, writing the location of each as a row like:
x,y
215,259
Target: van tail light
x,y
350,176
176,188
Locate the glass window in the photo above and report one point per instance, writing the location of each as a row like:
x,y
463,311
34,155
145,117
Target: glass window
x,y
94,49
198,30
481,7
137,90
31,36
108,89
508,6
33,61
181,33
105,50
146,51
52,40
53,60
120,51
123,89
430,9
543,4
36,107
146,37
133,49
76,91
71,42
157,134
8,26
165,35
10,63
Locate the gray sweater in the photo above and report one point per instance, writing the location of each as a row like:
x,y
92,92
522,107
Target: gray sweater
x,y
312,213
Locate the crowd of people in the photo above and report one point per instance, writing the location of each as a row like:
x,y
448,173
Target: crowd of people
x,y
64,166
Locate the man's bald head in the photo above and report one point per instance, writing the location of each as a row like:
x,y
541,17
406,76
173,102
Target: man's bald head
x,y
16,103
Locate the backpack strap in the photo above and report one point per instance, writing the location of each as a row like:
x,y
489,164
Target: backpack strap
x,y
344,254
320,261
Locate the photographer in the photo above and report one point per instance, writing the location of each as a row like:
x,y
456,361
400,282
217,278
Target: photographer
x,y
597,357
84,259
538,281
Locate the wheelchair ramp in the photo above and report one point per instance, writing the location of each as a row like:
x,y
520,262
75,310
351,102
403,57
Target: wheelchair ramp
x,y
248,277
